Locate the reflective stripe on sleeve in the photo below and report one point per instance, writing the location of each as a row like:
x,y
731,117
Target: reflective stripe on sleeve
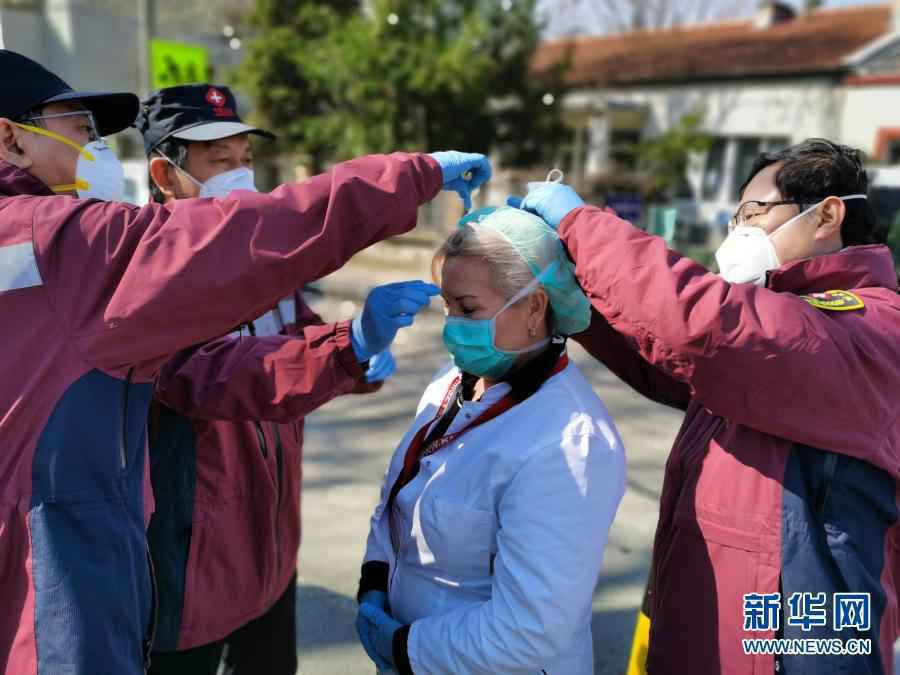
x,y
18,267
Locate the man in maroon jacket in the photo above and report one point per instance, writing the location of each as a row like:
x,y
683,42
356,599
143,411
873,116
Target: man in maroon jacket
x,y
226,428
779,511
95,295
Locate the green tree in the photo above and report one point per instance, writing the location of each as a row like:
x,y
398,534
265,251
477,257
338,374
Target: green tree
x,y
665,157
286,69
338,79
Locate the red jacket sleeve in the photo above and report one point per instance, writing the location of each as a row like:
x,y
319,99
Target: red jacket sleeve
x,y
132,286
766,360
305,316
281,378
620,354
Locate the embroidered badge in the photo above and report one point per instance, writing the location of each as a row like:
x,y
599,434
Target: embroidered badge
x,y
215,97
835,301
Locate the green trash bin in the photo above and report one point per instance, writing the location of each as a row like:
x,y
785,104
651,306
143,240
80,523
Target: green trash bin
x,y
661,221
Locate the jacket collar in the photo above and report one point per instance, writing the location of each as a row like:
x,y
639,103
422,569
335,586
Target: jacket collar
x,y
853,267
15,181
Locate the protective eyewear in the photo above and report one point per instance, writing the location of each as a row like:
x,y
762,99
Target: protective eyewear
x,y
754,208
89,126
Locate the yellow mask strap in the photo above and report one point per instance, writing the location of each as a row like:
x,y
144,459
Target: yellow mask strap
x,y
57,137
79,184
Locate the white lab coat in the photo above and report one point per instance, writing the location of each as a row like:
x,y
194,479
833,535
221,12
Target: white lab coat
x,y
501,533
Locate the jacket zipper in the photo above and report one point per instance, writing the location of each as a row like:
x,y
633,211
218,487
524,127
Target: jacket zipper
x,y
278,472
123,445
150,637
261,437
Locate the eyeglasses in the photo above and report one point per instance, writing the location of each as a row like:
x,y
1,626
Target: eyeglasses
x,y
89,126
754,208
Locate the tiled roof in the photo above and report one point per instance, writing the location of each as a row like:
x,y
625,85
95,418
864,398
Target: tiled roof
x,y
811,42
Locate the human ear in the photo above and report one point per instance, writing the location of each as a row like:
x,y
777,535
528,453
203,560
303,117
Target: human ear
x,y
537,311
10,151
832,212
162,173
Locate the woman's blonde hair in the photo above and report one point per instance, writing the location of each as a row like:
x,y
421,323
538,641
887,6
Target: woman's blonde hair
x,y
510,273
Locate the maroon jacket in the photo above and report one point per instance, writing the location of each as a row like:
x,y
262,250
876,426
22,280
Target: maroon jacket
x,y
784,474
94,298
226,450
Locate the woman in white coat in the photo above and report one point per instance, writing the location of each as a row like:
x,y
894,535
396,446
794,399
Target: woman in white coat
x,y
485,548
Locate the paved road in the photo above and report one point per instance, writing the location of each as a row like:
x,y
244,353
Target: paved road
x,y
347,448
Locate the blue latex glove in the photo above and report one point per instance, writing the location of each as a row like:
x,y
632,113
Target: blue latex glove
x,y
457,167
364,627
381,628
381,367
550,201
388,308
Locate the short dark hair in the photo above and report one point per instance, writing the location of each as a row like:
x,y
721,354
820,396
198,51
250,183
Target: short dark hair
x,y
816,169
175,149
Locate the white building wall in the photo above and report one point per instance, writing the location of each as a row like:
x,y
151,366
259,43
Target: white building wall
x,y
22,31
868,109
793,109
88,48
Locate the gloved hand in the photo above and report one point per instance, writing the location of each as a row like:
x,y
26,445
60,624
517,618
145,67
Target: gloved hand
x,y
381,366
455,165
388,308
381,628
378,600
550,201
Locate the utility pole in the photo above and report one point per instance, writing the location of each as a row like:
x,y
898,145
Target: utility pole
x,y
146,32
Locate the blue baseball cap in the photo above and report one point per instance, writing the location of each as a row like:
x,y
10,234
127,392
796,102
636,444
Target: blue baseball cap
x,y
191,112
28,85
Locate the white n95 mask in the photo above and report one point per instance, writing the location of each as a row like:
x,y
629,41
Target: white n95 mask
x,y
748,252
221,185
746,255
98,173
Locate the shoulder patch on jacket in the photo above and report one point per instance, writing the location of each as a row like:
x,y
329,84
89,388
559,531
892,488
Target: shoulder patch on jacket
x,y
835,301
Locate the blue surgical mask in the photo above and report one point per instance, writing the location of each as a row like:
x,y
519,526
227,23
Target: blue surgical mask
x,y
471,341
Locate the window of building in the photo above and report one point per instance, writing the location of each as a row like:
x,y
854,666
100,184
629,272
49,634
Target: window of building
x,y
775,144
623,145
748,149
715,167
892,154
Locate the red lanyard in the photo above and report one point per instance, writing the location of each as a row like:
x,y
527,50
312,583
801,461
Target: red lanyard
x,y
419,448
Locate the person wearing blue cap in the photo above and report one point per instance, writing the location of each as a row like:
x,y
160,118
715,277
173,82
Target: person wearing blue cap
x,y
228,415
96,296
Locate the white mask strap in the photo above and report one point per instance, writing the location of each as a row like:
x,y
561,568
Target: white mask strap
x,y
555,176
812,208
179,169
527,289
